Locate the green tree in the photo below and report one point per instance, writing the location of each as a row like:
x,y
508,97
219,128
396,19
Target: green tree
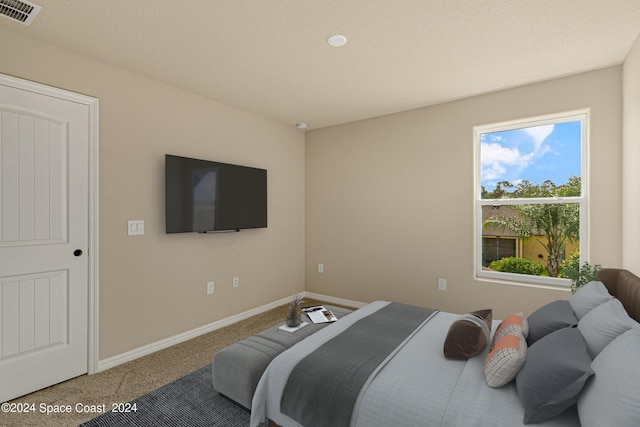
x,y
580,275
499,192
559,223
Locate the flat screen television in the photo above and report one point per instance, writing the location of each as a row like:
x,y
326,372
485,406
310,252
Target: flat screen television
x,y
204,196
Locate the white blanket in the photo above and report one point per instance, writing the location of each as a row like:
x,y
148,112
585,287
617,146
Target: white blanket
x,y
418,386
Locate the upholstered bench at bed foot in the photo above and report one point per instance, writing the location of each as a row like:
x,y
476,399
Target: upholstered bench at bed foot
x,y
238,368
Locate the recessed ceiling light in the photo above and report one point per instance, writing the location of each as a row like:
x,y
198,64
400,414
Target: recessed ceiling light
x,y
337,40
301,125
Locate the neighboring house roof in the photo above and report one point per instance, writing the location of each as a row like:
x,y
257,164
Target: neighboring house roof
x,y
503,210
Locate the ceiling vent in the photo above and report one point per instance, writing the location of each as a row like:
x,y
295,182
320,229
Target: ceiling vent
x,y
19,11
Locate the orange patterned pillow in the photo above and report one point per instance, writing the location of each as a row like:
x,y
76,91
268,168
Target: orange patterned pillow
x,y
505,359
514,324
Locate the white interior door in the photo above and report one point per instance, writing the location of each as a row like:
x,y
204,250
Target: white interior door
x,y
44,223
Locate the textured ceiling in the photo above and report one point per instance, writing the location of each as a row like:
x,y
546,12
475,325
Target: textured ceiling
x,y
271,57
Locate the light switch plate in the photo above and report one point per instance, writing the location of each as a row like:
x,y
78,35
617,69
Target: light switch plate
x,y
135,227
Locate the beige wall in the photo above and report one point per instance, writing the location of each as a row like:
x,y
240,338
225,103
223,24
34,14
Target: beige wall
x,y
630,159
154,286
389,206
389,201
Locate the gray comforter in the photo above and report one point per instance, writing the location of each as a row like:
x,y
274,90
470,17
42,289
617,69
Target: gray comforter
x,y
417,386
322,388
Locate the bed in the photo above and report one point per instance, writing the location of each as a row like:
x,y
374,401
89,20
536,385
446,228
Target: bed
x,y
581,368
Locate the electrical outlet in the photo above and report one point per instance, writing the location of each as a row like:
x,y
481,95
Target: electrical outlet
x,y
236,281
442,284
320,268
210,287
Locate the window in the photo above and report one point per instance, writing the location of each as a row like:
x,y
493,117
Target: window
x,y
497,247
530,198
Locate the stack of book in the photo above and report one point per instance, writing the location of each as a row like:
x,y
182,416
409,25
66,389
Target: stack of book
x,y
290,330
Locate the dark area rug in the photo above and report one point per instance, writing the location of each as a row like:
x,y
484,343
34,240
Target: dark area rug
x,y
188,401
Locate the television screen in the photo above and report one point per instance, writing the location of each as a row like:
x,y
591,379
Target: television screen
x,y
202,196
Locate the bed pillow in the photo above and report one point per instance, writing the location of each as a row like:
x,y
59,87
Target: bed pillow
x,y
611,397
514,324
469,335
588,297
555,371
550,317
506,357
603,324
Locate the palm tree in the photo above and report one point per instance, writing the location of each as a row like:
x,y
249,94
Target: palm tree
x,y
559,223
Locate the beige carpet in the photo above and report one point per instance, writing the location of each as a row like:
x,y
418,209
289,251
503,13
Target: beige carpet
x,y
133,379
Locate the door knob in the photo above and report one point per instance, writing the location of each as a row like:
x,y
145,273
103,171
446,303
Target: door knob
x,y
77,252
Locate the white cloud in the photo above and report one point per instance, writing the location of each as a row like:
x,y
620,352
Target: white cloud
x,y
507,163
539,134
496,160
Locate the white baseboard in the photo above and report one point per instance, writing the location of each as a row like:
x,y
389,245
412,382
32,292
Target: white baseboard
x,y
128,356
145,350
334,300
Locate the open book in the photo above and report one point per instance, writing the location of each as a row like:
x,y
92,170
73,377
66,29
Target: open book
x,y
319,314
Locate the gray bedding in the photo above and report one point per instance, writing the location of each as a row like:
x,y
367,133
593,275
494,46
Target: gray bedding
x,y
417,386
342,365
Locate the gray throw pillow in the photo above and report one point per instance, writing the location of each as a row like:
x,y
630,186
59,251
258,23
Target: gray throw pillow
x,y
554,372
603,324
588,297
549,318
611,397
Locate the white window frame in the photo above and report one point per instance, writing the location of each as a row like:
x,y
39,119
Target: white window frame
x,y
583,117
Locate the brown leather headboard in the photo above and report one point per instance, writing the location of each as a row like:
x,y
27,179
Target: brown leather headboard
x,y
625,286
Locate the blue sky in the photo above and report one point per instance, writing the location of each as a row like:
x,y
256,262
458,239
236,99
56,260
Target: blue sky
x,y
535,154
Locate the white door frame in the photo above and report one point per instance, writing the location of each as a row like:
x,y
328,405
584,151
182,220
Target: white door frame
x,y
92,279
